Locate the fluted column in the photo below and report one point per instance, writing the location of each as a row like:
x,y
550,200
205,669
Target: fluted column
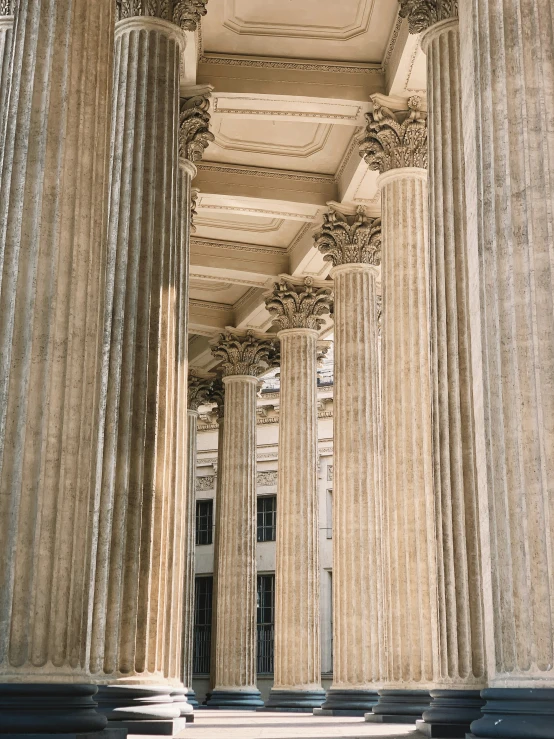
x,y
395,144
245,356
137,637
296,307
199,386
53,206
194,137
353,244
461,667
508,103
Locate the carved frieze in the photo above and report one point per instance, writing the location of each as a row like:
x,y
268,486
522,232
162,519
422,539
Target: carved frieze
x,y
205,483
266,478
245,353
395,139
194,127
350,239
299,305
184,13
422,14
199,386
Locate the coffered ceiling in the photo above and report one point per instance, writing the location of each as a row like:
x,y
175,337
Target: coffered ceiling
x,y
291,83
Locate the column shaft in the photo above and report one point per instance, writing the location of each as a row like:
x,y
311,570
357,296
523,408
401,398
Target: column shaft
x,y
138,606
6,39
53,206
409,544
235,658
297,640
508,85
357,590
190,543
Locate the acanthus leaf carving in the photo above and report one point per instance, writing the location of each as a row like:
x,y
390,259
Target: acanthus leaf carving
x,y
216,395
299,305
395,140
350,239
183,13
194,127
422,14
245,353
199,386
193,203
7,7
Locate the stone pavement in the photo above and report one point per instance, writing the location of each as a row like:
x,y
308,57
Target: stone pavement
x,y
251,725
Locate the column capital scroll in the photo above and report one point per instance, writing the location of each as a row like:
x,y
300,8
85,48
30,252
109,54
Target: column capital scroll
x,y
185,14
422,14
194,125
395,140
199,387
350,239
299,303
245,352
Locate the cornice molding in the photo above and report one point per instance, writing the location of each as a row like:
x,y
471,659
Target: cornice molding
x,y
305,65
216,244
392,40
209,305
279,174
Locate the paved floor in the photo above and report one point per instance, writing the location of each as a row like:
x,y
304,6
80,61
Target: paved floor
x,y
251,725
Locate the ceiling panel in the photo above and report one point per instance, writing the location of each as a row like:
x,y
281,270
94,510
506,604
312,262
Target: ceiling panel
x,y
266,231
352,30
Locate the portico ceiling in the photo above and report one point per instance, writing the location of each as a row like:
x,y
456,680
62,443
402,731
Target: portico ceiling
x,y
291,85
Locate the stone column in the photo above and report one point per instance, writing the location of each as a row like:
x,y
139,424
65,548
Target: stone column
x,y
137,637
217,396
395,144
245,356
53,257
353,244
194,137
296,306
507,84
456,700
199,386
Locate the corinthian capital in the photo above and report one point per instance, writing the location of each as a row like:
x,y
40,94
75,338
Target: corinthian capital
x,y
184,13
7,7
350,239
422,14
199,386
245,353
393,140
194,125
217,395
298,304
193,212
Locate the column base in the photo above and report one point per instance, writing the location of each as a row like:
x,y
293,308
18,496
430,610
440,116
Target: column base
x,y
399,707
240,700
347,703
141,709
191,698
450,713
180,700
293,701
49,708
515,713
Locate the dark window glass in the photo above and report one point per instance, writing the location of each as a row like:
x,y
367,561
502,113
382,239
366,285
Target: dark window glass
x,y
266,625
267,511
204,521
203,594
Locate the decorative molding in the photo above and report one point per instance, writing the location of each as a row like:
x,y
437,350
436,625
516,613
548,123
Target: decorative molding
x,y
219,286
299,236
392,41
245,353
274,225
205,483
293,305
267,478
410,69
350,239
422,14
356,109
215,244
395,139
209,305
354,142
183,13
278,174
237,281
262,211
194,126
246,297
304,65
